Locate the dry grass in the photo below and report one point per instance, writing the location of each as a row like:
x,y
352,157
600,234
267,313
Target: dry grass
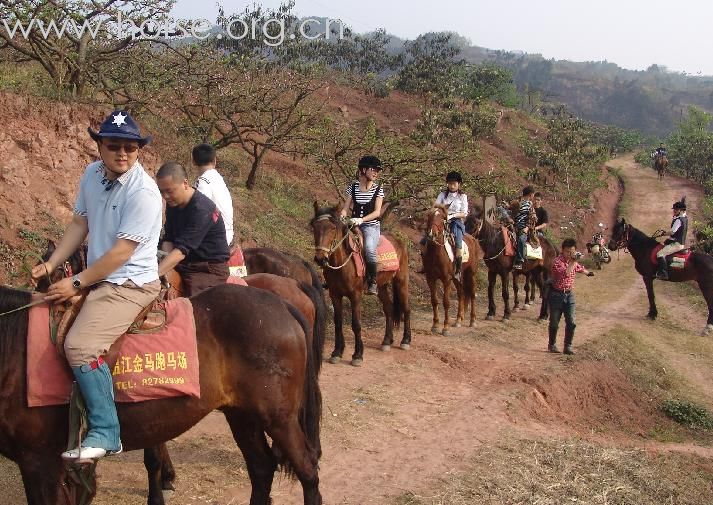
x,y
565,472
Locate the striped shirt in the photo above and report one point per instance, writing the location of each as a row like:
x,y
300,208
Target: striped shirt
x,y
364,197
523,214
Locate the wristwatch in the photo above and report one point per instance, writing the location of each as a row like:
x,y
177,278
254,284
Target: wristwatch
x,y
76,282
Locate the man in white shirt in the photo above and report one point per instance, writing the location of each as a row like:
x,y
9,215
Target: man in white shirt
x,y
212,185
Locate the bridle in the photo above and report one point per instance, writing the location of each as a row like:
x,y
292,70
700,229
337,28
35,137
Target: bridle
x,y
623,242
336,243
432,234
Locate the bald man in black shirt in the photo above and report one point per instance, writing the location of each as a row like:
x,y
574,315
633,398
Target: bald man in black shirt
x,y
194,233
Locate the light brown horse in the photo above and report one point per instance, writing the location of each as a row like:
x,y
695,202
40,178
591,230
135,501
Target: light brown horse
x,y
438,266
333,254
262,376
661,163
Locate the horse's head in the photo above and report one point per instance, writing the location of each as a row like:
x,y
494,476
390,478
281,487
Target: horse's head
x,y
474,221
74,264
435,221
328,230
620,235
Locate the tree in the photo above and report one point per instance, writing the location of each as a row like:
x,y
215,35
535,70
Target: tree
x,y
215,98
73,39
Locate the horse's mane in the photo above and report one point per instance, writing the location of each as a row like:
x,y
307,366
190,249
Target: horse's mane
x,y
13,327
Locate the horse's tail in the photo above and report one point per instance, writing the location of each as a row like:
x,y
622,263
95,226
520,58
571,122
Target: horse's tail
x,y
397,310
311,409
320,322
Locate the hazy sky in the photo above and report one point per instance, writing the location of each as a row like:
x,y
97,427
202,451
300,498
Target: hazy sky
x,y
619,31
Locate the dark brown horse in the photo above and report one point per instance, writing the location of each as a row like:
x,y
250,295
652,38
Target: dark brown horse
x,y
334,255
699,266
262,376
660,164
438,266
492,243
272,261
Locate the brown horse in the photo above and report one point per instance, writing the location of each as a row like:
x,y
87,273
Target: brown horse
x,y
262,376
492,243
334,255
660,164
438,267
272,261
699,266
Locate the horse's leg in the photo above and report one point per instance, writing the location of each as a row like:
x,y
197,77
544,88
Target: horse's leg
x,y
649,283
153,462
492,276
401,287
358,356
41,478
470,294
529,289
515,290
259,458
543,287
446,303
291,440
388,308
338,351
506,295
433,288
168,473
461,302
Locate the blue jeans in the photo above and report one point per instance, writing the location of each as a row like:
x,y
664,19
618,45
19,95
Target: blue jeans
x,y
372,232
457,227
561,303
521,241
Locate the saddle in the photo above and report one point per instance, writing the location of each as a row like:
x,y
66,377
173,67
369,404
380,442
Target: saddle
x,y
387,258
677,260
151,319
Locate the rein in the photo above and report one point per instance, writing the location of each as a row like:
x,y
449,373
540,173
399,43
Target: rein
x,y
335,245
481,240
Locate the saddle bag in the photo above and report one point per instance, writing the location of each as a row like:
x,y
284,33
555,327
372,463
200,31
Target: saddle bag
x,y
532,253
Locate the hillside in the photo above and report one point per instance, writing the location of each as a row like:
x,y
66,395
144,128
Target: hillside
x,y
45,147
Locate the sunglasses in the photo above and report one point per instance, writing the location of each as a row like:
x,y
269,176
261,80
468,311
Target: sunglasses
x,y
128,148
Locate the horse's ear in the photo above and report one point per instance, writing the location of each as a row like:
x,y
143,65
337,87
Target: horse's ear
x,y
316,208
623,221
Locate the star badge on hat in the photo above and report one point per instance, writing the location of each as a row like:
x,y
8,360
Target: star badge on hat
x,y
119,119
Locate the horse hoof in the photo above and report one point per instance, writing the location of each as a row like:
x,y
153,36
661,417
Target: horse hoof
x,y
505,320
446,332
434,329
489,318
707,330
385,347
458,325
335,359
168,494
526,307
357,362
405,347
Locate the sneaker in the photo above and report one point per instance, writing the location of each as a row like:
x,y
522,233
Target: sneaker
x,y
372,290
517,266
457,276
84,454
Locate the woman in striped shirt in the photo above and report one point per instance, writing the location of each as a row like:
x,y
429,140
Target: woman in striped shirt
x,y
364,207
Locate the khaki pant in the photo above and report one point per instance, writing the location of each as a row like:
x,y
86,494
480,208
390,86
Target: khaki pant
x,y
202,275
670,249
106,314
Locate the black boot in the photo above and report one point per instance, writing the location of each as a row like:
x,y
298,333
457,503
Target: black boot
x,y
663,269
568,343
457,265
371,279
551,347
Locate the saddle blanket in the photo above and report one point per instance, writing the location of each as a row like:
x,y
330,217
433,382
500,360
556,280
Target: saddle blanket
x,y
507,238
387,259
145,366
466,251
676,261
236,264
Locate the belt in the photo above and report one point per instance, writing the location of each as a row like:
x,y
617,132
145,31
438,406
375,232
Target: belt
x,y
563,291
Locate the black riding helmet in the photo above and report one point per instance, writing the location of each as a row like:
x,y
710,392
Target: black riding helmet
x,y
454,176
680,205
370,161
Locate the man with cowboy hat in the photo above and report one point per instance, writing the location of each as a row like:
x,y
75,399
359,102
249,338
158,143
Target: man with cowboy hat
x,y
118,207
675,242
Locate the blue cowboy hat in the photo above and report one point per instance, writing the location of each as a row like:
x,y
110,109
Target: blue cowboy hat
x,y
120,125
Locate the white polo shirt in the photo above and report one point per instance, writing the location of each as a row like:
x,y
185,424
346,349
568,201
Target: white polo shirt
x,y
212,185
127,208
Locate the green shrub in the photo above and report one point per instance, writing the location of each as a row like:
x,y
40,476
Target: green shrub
x,y
688,413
